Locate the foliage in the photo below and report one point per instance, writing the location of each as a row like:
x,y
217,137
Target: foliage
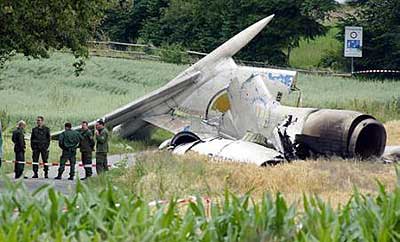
x,y
162,175
174,53
4,119
113,215
35,27
109,83
310,52
124,21
381,33
204,25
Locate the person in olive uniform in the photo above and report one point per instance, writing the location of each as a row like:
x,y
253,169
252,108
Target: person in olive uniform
x,y
68,141
40,142
86,147
101,147
18,138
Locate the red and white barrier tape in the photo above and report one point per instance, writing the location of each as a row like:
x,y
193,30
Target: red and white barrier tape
x,y
376,71
49,164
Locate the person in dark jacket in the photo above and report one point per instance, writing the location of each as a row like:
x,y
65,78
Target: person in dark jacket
x,y
18,138
101,147
40,142
68,141
86,147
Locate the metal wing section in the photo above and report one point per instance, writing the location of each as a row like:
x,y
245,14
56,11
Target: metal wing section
x,y
139,107
175,124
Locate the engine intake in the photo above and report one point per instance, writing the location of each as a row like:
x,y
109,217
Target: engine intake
x,y
343,133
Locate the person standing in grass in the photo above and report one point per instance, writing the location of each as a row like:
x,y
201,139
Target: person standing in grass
x,y
68,141
18,138
101,147
1,144
40,142
86,147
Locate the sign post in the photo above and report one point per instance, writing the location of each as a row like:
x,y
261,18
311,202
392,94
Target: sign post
x,y
353,43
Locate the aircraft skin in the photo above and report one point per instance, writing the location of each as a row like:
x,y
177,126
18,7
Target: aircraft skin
x,y
231,112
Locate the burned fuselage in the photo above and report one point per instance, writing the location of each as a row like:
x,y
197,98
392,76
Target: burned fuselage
x,y
232,112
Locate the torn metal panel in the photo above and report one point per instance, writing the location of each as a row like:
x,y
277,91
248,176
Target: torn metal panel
x,y
234,151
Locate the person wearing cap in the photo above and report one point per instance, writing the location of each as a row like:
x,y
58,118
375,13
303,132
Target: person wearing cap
x,y
86,147
18,138
40,142
68,141
101,147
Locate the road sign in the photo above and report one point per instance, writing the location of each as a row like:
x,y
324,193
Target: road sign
x,y
353,41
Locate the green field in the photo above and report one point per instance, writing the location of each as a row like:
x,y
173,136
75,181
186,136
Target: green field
x,y
49,87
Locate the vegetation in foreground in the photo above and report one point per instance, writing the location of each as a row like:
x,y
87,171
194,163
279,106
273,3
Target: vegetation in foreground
x,y
113,215
162,175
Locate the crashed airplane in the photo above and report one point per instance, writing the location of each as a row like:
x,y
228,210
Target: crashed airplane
x,y
231,112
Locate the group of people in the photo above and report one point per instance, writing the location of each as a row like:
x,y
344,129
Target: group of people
x,y
69,141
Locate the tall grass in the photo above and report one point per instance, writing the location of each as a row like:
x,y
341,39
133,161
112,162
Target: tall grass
x,y
161,175
49,87
378,98
309,53
110,214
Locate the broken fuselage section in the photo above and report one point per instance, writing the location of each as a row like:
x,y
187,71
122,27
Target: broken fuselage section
x,y
234,113
252,126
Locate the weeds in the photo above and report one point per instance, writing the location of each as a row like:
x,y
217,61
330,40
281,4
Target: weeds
x,y
161,175
111,214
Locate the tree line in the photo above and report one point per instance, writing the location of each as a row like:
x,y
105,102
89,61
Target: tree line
x,y
203,25
35,27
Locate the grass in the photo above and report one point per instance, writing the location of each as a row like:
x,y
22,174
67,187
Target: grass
x,y
113,215
380,99
309,53
350,205
49,87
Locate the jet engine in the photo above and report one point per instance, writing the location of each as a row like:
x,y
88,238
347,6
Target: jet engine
x,y
343,133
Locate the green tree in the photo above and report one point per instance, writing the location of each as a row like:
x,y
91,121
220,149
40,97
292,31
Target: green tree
x,y
380,20
35,27
205,24
124,21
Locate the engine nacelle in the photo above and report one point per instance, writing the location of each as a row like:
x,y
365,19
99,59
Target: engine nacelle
x,y
343,133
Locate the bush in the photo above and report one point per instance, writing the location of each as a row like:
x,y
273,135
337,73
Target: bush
x,y
4,119
174,53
